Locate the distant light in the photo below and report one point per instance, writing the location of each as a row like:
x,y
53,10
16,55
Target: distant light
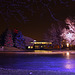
x,y
61,45
41,46
34,40
28,47
50,42
67,44
31,47
67,53
41,42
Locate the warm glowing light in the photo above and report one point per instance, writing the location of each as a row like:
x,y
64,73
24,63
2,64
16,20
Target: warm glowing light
x,y
28,47
41,42
67,53
61,45
42,51
67,44
41,46
50,42
31,47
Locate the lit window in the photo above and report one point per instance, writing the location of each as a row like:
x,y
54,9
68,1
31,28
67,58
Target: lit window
x,y
41,46
32,42
43,42
50,42
31,47
28,47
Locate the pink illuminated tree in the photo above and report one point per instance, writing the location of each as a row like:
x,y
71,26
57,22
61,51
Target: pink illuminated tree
x,y
69,34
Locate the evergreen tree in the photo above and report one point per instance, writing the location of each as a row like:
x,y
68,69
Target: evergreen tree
x,y
8,39
2,37
15,31
19,41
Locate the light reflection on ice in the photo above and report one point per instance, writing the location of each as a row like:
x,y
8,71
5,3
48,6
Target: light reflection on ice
x,y
51,62
68,55
68,64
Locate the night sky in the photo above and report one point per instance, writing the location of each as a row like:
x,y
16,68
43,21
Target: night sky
x,y
34,17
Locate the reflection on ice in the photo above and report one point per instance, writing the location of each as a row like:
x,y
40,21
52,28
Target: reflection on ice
x,y
63,62
68,55
68,64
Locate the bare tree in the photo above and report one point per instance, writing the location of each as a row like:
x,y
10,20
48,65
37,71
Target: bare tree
x,y
53,34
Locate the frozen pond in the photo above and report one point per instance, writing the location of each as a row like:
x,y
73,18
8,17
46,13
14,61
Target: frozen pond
x,y
38,62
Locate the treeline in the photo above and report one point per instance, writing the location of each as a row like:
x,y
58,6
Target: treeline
x,y
12,38
61,32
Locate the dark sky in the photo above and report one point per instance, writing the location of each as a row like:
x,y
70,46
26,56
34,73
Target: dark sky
x,y
34,17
